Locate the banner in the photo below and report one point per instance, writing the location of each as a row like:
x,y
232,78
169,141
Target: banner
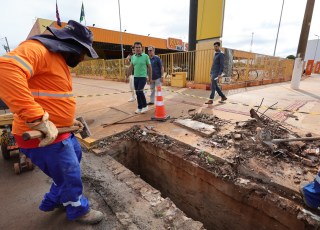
x,y
82,15
317,68
175,44
210,19
57,15
309,67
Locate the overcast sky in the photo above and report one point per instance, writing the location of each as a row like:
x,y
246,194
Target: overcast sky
x,y
169,18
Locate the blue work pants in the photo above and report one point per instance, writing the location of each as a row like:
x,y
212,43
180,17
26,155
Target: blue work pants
x,y
61,162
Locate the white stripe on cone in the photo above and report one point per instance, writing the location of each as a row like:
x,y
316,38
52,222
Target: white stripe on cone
x,y
159,103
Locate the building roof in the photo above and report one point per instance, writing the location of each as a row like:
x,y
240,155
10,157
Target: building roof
x,y
104,35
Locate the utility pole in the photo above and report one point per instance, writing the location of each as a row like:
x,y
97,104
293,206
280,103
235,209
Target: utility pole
x,y
301,52
315,52
251,42
122,55
275,46
193,15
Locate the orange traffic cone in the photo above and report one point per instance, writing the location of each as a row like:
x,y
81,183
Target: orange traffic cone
x,y
160,114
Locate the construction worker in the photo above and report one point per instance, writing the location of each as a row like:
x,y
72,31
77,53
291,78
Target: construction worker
x,y
310,192
36,84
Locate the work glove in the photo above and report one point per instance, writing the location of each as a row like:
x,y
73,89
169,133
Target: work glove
x,y
78,123
47,128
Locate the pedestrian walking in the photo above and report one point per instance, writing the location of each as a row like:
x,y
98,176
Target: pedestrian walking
x,y
140,63
36,84
130,76
216,72
157,73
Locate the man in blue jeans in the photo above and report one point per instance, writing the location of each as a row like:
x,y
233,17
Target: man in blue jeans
x,y
215,73
157,73
141,64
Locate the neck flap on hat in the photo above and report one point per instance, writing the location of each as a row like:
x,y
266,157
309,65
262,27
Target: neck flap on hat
x,y
57,46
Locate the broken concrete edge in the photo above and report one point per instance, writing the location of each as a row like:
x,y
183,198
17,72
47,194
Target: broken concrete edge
x,y
204,130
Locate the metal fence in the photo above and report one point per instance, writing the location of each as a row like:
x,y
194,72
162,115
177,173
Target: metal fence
x,y
240,66
109,69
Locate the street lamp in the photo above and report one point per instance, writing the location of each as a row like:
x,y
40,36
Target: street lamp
x,y
251,43
315,53
275,46
122,55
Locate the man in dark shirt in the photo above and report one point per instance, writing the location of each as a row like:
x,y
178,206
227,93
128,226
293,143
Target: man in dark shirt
x,y
215,73
157,73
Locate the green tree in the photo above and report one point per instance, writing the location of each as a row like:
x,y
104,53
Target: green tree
x,y
291,57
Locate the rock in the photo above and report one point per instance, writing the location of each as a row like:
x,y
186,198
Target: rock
x,y
311,151
98,151
124,218
308,135
237,136
296,180
307,162
245,147
230,141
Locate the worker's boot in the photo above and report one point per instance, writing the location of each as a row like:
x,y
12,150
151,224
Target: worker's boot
x,y
91,217
223,98
209,102
310,193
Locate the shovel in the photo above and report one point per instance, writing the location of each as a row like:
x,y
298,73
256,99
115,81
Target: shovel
x,y
265,136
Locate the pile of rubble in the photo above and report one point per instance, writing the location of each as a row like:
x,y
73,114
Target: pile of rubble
x,y
261,137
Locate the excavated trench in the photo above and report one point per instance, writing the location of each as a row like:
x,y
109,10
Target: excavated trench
x,y
208,191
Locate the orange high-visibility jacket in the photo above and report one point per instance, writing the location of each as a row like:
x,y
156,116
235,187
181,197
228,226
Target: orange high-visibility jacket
x,y
33,80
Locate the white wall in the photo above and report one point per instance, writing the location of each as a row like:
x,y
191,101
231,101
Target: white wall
x,y
311,49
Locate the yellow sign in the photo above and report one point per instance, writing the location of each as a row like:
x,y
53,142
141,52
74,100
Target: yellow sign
x,y
210,19
174,44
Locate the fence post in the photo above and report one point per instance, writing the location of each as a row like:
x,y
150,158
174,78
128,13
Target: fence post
x,y
247,69
104,68
171,66
120,69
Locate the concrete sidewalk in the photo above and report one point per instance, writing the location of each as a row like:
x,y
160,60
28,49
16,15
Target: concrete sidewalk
x,y
306,99
112,108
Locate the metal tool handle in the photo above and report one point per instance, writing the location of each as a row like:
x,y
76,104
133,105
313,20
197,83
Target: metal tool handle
x,y
295,139
34,134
